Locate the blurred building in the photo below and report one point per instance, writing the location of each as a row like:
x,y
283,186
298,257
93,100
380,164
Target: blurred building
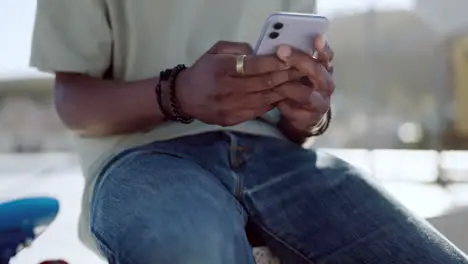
x,y
445,16
401,78
28,121
450,20
393,68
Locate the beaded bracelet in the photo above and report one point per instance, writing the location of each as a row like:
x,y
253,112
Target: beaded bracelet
x,y
163,77
175,105
175,112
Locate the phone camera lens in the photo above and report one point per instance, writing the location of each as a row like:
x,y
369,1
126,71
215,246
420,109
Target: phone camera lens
x,y
274,35
278,26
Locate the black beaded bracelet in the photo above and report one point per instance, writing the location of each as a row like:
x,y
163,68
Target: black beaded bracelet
x,y
177,114
171,108
163,77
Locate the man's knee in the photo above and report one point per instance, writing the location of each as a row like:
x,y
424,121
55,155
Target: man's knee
x,y
188,247
335,167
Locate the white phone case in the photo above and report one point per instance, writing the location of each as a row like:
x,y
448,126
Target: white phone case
x,y
297,30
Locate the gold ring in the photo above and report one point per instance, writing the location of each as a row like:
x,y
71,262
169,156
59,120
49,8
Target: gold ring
x,y
240,61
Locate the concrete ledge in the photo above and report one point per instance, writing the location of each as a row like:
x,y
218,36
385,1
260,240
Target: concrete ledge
x,y
27,83
28,121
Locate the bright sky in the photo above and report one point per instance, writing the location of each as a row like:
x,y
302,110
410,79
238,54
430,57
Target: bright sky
x,y
16,19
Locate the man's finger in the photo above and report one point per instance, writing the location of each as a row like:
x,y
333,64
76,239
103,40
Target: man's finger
x,y
263,100
329,83
306,98
303,62
319,47
235,48
324,51
329,51
299,118
288,111
300,60
318,102
257,65
330,68
247,114
266,81
296,92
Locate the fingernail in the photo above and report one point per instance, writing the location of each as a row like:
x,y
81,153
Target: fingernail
x,y
284,52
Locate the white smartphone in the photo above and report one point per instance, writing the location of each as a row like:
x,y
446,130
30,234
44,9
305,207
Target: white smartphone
x,y
293,29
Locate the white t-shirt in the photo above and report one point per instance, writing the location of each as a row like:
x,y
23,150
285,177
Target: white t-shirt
x,y
137,39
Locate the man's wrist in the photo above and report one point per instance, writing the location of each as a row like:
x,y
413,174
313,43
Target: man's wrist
x,y
181,83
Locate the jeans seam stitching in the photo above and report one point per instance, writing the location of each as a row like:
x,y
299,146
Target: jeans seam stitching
x,y
348,245
109,166
102,242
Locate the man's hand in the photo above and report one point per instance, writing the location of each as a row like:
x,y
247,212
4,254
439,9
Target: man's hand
x,y
214,92
301,115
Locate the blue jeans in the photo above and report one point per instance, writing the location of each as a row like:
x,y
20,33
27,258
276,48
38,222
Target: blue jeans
x,y
188,201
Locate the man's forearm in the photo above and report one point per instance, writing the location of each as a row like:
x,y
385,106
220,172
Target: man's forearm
x,y
95,107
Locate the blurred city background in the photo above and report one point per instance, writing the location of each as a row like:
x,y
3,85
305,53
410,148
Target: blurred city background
x,y
401,110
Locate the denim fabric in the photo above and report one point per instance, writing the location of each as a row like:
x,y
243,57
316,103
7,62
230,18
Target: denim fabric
x,y
188,200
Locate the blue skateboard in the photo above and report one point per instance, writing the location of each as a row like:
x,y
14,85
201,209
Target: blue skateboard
x,y
23,220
